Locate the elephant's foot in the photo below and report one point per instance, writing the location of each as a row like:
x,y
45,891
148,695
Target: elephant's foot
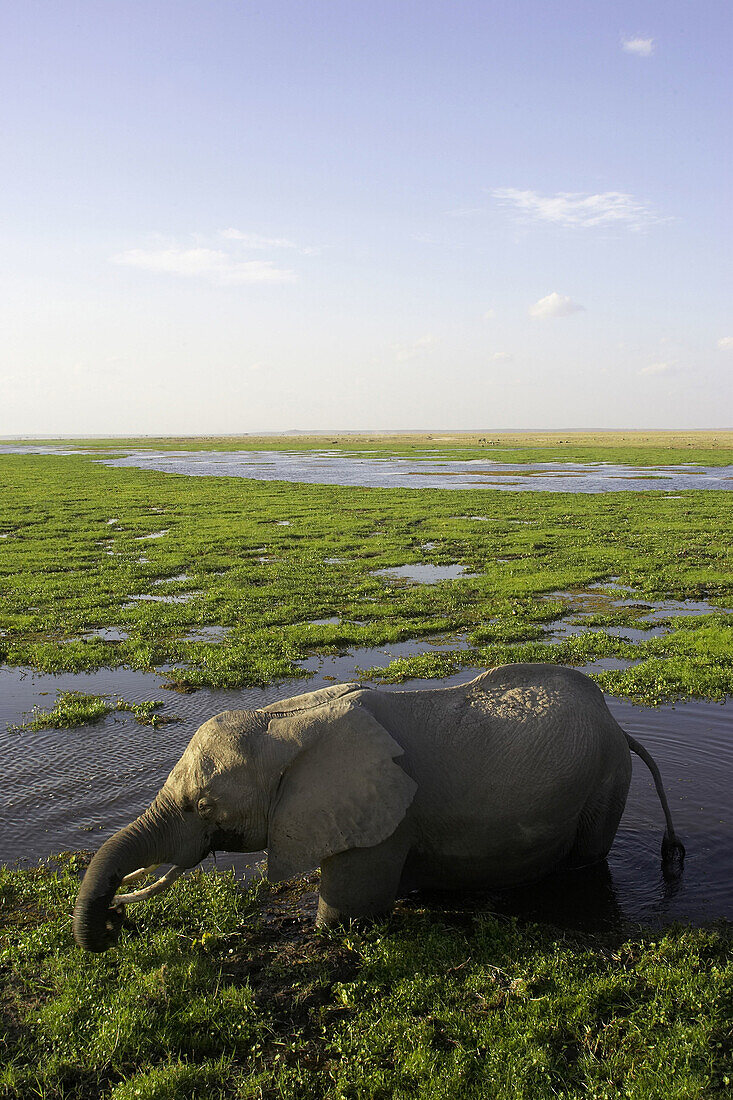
x,y
329,916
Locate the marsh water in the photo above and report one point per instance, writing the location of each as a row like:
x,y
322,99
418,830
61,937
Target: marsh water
x,y
362,468
70,789
339,468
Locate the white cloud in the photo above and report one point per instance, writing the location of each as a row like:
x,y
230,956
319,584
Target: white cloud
x,y
214,265
257,241
663,367
642,47
502,357
254,240
555,305
403,352
577,209
725,343
489,314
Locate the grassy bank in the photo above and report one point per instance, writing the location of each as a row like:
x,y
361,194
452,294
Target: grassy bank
x,y
219,992
109,567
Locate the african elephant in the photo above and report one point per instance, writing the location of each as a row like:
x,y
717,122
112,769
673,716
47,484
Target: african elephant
x,y
492,783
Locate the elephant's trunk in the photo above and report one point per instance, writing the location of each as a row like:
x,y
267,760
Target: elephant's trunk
x,y
150,839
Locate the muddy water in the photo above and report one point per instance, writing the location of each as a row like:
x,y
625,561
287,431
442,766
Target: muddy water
x,y
69,789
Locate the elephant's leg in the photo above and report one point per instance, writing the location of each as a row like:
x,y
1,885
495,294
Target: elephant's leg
x,y
599,821
362,881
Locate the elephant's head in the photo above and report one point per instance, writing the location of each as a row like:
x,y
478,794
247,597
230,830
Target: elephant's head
x,y
305,779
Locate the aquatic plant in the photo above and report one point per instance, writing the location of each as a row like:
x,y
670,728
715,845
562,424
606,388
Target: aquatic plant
x,y
75,708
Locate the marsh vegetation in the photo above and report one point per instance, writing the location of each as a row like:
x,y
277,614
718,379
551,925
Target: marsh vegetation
x,y
224,559
222,583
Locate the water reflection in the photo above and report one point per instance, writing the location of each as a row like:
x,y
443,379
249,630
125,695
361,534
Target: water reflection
x,y
584,900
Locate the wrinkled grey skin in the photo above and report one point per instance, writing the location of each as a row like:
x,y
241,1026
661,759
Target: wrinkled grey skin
x,y
496,782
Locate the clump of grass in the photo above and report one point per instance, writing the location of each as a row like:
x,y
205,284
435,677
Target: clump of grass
x,y
75,708
226,991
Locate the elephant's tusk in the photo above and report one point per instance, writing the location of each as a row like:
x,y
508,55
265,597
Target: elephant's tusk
x,y
149,891
137,875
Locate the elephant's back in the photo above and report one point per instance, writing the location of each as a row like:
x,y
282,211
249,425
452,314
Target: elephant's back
x,y
504,766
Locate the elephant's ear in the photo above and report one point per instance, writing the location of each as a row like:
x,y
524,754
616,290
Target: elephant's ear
x,y
340,790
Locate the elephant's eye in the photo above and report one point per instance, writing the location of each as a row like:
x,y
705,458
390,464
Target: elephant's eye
x,y
205,807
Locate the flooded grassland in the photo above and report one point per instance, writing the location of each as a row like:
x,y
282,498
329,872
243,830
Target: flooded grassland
x,y
120,585
108,567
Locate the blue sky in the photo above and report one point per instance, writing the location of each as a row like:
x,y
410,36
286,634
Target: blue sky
x,y
234,216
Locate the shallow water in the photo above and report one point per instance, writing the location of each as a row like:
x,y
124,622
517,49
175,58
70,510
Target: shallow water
x,y
70,789
602,598
339,468
423,573
327,467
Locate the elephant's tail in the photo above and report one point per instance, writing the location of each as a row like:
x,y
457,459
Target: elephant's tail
x,y
673,850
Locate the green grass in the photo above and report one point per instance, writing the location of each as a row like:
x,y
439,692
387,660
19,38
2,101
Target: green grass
x,y
65,572
75,708
219,992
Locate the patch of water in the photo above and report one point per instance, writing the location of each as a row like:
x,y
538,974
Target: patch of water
x,y
181,597
207,634
331,621
562,628
424,573
652,612
594,600
341,667
609,664
153,535
107,634
179,578
663,609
